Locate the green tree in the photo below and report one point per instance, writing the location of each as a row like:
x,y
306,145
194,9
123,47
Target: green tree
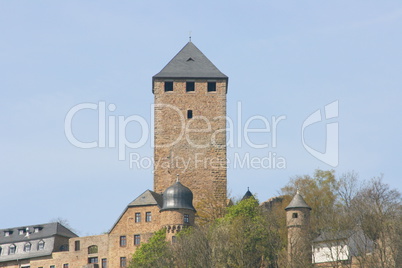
x,y
156,253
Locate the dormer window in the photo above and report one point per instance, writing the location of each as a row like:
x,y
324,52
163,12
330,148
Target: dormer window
x,y
12,249
27,247
21,231
37,229
41,245
7,233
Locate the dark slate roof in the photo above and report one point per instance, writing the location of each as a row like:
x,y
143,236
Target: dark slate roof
x,y
177,196
247,195
147,198
190,62
334,235
46,230
297,202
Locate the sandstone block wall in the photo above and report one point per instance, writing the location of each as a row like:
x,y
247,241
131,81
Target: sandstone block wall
x,y
193,148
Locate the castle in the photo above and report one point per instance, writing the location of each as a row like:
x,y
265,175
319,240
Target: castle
x,y
190,125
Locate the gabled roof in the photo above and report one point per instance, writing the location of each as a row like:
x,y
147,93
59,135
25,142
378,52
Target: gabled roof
x,y
297,202
190,62
147,198
334,235
45,230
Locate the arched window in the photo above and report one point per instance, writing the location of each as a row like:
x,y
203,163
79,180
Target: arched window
x,y
27,247
12,249
92,249
41,245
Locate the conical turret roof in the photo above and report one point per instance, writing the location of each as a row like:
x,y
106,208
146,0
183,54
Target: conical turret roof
x,y
297,202
247,195
190,62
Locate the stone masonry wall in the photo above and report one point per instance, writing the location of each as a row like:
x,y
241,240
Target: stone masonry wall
x,y
193,148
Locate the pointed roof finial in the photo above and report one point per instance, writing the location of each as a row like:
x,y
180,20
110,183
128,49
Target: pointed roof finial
x,y
297,190
177,177
189,36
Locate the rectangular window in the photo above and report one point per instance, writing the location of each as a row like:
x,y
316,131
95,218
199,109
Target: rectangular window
x,y
189,114
7,233
137,217
190,86
36,230
137,240
174,239
168,86
104,263
93,260
211,86
186,218
65,265
123,262
52,266
294,215
77,245
123,241
148,216
21,231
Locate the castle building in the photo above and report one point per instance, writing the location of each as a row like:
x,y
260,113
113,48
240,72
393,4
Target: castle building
x,y
190,145
190,127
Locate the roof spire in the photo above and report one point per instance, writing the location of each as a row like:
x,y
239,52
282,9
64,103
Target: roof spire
x,y
189,36
177,177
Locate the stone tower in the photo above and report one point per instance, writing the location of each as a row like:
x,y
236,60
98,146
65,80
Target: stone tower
x,y
190,126
177,211
298,223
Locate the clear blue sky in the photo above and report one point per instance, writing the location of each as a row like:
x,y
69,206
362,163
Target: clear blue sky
x,y
283,58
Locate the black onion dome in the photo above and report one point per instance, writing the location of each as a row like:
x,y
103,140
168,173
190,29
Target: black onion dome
x,y
177,196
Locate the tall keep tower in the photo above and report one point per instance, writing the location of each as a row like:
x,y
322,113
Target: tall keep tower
x,y
190,126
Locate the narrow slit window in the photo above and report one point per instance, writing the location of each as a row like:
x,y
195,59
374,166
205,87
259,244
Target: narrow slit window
x,y
211,86
190,86
189,114
168,86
